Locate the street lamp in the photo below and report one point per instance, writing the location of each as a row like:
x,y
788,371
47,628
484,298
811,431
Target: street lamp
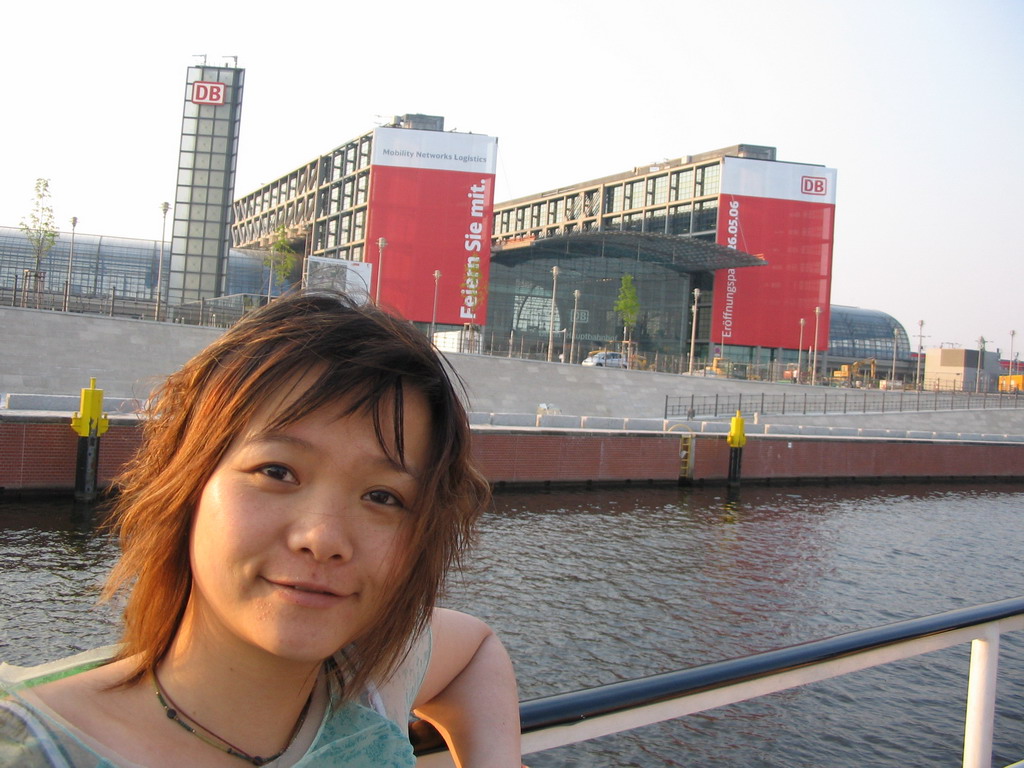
x,y
920,336
71,260
693,328
1012,334
895,337
433,315
381,245
981,361
800,355
164,207
814,359
575,311
551,313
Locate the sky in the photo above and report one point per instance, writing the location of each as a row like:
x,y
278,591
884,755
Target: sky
x,y
918,104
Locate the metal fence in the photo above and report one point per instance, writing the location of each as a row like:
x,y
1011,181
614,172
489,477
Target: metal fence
x,y
846,401
221,312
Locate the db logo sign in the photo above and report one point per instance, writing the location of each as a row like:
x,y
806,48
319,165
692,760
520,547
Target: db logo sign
x,y
814,185
207,93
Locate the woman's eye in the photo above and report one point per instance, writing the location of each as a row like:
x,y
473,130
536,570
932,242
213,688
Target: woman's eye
x,y
384,497
277,472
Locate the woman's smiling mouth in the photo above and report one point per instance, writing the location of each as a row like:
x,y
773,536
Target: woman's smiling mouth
x,y
302,589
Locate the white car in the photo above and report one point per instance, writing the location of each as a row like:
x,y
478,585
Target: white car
x,y
606,359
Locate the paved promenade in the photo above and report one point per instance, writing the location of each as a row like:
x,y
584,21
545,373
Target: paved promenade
x,y
52,353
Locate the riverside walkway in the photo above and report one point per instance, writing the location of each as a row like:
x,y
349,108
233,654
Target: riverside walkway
x,y
55,353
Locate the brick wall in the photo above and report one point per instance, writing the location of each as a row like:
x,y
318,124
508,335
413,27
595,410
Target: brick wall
x,y
40,456
807,458
536,457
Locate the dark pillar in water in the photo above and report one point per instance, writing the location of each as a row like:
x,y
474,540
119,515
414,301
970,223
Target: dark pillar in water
x,y
89,423
737,439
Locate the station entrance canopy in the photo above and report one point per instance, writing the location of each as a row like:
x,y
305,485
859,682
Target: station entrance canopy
x,y
677,252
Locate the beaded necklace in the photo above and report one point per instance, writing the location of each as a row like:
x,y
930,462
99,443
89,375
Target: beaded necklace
x,y
175,713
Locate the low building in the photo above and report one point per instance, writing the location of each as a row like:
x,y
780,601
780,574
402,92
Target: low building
x,y
964,370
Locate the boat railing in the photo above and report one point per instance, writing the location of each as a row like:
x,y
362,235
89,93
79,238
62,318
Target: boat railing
x,y
568,718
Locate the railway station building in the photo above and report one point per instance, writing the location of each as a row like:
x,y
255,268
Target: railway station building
x,y
406,211
740,198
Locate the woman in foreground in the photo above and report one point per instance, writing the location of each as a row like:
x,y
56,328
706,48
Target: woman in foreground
x,y
303,489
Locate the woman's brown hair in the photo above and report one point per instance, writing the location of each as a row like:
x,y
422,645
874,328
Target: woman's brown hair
x,y
358,355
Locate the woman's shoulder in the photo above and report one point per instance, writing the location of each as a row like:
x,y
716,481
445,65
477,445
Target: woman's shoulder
x,y
29,739
32,733
13,677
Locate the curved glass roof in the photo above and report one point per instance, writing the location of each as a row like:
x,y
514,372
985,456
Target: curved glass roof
x,y
863,334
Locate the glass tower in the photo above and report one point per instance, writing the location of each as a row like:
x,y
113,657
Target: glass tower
x,y
201,234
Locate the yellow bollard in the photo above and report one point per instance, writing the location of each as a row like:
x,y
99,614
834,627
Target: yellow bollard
x,y
90,413
737,439
89,423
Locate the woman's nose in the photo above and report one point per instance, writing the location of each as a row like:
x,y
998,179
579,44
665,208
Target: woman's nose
x,y
324,529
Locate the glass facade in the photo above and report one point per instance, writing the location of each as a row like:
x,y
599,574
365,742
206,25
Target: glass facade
x,y
864,334
676,197
664,271
520,307
324,203
200,235
105,271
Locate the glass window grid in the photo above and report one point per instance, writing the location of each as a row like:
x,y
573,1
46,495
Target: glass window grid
x,y
864,334
657,190
200,234
519,300
102,265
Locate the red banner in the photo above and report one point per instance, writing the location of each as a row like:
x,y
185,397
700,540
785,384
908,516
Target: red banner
x,y
787,216
432,201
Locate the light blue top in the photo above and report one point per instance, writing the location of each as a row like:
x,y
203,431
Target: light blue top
x,y
369,733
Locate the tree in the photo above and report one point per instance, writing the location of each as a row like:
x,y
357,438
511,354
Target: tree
x,y
40,229
627,307
281,259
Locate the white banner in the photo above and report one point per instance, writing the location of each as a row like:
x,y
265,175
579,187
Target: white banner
x,y
435,150
779,181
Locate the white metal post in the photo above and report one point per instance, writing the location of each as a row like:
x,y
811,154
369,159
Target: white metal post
x,y
814,353
551,314
164,207
433,314
981,700
381,245
799,355
693,327
71,261
575,312
917,372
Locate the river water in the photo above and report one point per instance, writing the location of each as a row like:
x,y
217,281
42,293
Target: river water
x,y
591,587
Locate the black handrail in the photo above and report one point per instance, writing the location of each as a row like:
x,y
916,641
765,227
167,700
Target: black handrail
x,y
576,706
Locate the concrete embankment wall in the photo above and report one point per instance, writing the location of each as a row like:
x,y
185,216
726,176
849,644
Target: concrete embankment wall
x,y
54,353
608,426
37,455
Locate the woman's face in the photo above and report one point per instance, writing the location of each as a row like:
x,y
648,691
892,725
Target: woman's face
x,y
299,529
